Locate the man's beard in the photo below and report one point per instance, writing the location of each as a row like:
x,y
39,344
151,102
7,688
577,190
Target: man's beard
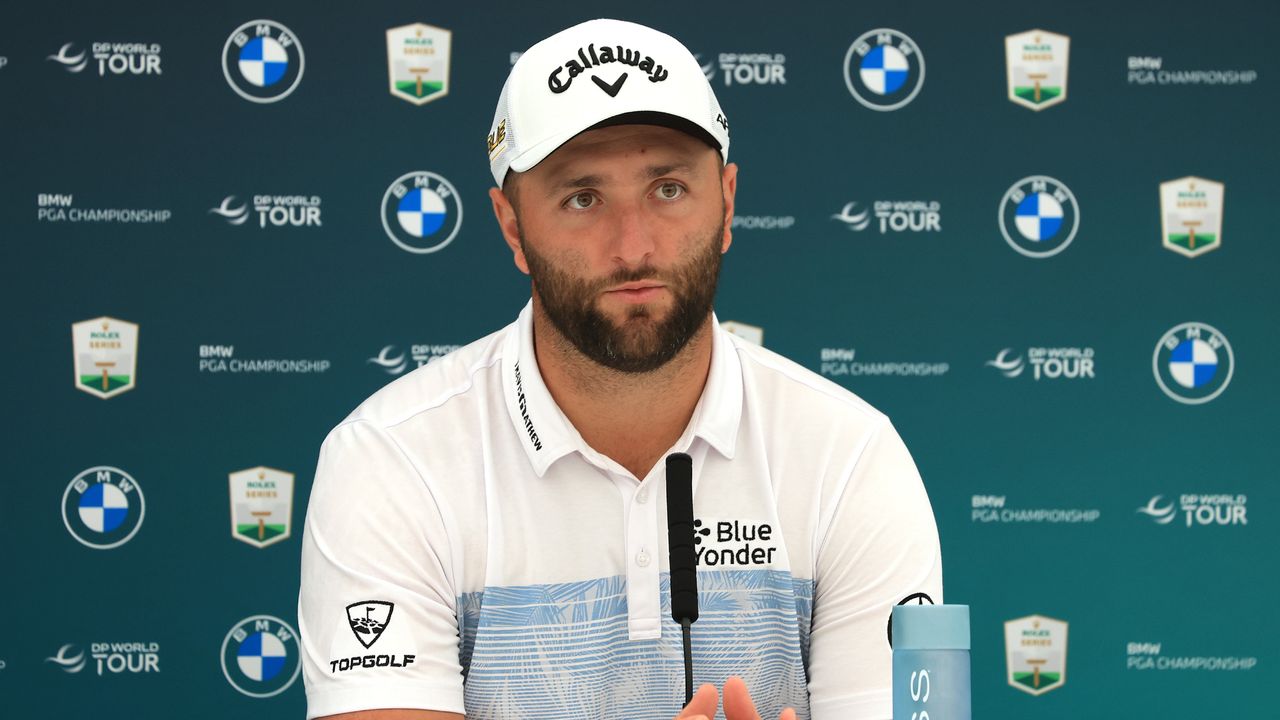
x,y
641,344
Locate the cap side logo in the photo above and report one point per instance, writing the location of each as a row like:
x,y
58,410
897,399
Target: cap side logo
x,y
497,140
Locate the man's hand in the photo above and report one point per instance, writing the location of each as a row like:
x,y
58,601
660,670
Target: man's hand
x,y
737,703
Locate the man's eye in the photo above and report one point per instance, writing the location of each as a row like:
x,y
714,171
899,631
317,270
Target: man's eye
x,y
670,191
582,201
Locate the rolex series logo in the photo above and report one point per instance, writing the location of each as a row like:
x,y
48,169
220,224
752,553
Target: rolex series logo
x,y
106,356
1036,653
1036,63
261,505
418,62
1191,215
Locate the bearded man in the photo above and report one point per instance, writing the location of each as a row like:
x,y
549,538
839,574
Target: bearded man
x,y
487,536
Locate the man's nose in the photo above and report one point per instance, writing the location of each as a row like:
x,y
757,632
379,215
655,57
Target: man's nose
x,y
632,243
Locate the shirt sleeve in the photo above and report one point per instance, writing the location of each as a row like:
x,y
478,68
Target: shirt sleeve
x,y
377,610
880,547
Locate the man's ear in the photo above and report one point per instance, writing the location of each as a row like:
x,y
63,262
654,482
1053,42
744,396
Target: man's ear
x,y
505,213
729,188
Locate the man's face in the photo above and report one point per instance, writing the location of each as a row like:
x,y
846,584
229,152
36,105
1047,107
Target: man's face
x,y
621,231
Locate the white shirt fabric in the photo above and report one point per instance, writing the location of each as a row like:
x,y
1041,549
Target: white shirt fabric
x,y
514,572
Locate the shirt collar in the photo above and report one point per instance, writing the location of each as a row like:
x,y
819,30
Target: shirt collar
x,y
547,435
719,411
545,432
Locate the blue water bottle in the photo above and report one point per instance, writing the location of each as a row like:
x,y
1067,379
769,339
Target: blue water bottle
x,y
931,662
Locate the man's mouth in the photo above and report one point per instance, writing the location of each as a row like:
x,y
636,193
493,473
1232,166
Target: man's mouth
x,y
639,291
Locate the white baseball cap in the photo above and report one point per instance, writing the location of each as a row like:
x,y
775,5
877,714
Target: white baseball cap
x,y
601,72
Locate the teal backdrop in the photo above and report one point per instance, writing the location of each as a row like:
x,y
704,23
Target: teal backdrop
x,y
1145,523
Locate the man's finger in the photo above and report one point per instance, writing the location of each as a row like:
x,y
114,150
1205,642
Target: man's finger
x,y
787,714
703,704
737,701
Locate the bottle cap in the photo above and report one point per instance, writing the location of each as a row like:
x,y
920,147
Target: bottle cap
x,y
931,627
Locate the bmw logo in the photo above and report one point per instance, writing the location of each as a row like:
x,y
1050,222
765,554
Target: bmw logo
x,y
260,656
103,507
421,212
1039,216
884,69
262,61
1193,363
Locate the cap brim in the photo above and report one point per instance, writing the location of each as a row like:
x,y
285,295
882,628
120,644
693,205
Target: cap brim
x,y
536,154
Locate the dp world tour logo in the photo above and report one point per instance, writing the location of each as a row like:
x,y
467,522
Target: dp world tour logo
x,y
262,61
884,69
1010,367
69,59
1199,510
1193,363
260,656
235,213
854,219
421,212
1039,216
103,507
389,360
70,658
1161,513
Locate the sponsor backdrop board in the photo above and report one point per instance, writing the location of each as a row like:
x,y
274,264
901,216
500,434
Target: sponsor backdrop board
x,y
1035,235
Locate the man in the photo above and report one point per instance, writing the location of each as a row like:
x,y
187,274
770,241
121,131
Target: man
x,y
487,535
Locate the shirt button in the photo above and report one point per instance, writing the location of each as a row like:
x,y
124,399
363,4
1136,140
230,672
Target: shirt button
x,y
642,559
642,497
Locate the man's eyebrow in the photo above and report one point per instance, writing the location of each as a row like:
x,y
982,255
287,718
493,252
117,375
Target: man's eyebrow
x,y
649,173
657,171
578,182
574,183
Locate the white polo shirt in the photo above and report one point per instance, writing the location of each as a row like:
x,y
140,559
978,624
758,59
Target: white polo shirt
x,y
466,551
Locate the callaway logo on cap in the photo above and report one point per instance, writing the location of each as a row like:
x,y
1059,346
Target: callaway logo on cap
x,y
598,73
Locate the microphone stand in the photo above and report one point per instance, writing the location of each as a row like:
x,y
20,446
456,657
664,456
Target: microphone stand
x,y
684,559
685,625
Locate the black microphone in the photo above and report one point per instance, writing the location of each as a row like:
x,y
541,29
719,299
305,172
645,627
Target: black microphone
x,y
684,559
